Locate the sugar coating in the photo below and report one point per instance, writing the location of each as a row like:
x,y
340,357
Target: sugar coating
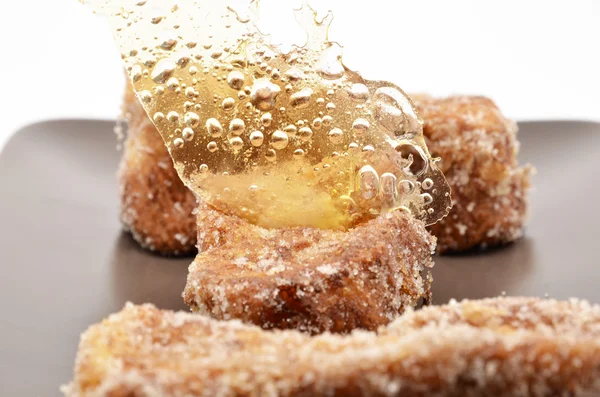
x,y
308,279
478,147
493,347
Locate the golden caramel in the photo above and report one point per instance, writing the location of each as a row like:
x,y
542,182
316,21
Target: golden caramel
x,y
279,138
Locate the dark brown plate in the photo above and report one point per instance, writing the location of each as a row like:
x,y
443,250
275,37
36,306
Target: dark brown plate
x,y
65,264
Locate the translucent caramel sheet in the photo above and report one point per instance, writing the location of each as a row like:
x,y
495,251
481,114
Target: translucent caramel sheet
x,y
281,139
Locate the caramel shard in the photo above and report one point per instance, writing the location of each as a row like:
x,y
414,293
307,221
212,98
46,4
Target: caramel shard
x,y
281,139
499,347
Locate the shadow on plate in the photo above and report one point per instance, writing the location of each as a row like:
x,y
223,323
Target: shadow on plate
x,y
481,274
140,276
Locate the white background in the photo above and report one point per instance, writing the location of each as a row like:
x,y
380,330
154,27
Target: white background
x,y
538,59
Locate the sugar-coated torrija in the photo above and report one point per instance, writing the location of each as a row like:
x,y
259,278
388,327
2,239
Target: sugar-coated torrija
x,y
495,347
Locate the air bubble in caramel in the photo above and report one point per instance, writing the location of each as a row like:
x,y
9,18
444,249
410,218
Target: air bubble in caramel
x,y
270,136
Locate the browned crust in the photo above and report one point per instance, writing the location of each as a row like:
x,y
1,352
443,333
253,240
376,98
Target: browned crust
x,y
495,347
477,144
312,280
155,205
478,147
